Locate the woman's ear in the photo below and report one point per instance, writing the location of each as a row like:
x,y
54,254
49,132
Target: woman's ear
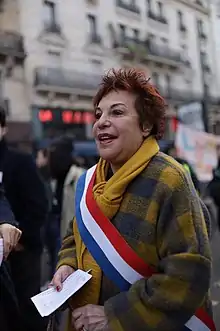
x,y
147,128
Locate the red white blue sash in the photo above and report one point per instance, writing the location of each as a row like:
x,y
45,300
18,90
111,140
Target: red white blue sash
x,y
115,257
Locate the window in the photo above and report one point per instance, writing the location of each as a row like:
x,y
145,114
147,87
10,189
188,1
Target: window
x,y
49,13
160,9
92,24
180,17
149,5
156,79
168,83
181,24
200,25
136,34
122,32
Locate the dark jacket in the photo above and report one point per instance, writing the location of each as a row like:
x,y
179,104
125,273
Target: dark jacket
x,y
26,194
214,190
194,177
9,310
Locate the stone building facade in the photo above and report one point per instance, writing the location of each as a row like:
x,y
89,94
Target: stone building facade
x,y
56,50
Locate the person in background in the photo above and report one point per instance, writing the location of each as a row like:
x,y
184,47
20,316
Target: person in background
x,y
26,195
9,232
214,187
140,227
69,189
171,150
51,229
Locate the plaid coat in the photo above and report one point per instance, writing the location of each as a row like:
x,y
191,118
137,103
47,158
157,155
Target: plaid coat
x,y
164,221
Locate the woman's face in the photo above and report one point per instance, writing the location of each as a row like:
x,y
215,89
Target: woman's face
x,y
116,129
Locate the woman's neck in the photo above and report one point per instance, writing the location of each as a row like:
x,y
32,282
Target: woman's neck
x,y
115,167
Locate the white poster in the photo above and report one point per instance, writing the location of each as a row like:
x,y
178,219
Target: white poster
x,y
199,149
191,115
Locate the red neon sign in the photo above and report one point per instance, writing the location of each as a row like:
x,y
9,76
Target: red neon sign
x,y
45,115
88,118
77,118
67,116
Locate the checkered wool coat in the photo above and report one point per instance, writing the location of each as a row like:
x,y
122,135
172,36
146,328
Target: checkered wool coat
x,y
164,221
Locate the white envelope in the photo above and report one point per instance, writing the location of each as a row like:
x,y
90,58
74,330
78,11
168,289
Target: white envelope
x,y
50,300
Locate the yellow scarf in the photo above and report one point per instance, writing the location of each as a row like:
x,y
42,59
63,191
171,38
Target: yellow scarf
x,y
108,195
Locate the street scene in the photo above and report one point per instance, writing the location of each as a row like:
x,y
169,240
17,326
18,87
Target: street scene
x,y
109,165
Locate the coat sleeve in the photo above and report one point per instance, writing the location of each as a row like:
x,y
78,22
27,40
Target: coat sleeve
x,y
67,254
6,214
168,299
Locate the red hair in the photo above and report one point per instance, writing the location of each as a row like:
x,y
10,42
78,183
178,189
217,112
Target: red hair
x,y
150,105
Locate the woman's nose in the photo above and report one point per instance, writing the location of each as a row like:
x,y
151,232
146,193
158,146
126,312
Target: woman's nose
x,y
104,121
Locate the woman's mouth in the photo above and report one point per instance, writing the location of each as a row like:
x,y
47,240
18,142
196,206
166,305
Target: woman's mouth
x,y
105,138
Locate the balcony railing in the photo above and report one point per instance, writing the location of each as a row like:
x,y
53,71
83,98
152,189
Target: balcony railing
x,y
157,18
149,50
130,7
163,51
63,80
180,95
199,3
11,44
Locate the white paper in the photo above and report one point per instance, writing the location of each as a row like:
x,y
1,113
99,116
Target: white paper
x,y
1,250
48,301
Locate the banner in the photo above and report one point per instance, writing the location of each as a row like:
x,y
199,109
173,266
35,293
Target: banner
x,y
199,149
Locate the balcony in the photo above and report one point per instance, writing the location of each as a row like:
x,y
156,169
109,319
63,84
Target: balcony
x,y
180,96
11,44
52,27
92,2
158,18
65,81
150,51
202,6
163,54
129,7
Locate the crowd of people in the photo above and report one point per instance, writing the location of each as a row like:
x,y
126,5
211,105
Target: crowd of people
x,y
136,220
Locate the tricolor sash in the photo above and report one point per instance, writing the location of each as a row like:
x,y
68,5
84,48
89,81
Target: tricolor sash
x,y
110,250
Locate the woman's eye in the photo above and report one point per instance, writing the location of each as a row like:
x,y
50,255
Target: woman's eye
x,y
117,112
97,115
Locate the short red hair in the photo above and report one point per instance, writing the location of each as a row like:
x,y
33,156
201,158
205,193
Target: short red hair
x,y
150,105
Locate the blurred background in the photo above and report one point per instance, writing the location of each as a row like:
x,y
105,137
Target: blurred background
x,y
54,52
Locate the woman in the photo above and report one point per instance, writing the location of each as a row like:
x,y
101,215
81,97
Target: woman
x,y
139,226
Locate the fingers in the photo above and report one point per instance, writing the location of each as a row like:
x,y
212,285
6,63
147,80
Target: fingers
x,y
78,319
11,236
57,281
15,235
7,246
60,276
79,324
77,313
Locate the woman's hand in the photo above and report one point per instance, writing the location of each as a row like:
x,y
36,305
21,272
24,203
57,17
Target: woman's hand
x,y
11,236
90,318
60,276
